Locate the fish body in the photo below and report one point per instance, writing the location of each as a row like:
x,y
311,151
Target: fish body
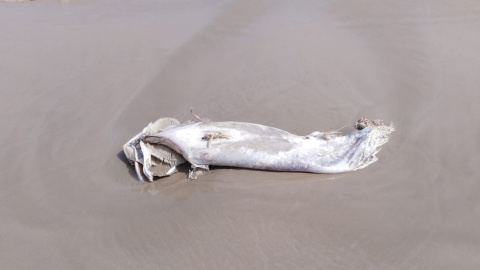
x,y
255,146
261,147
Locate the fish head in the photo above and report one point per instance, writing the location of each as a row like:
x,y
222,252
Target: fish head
x,y
182,139
198,142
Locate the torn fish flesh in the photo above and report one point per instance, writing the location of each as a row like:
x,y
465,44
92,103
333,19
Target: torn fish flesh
x,y
165,144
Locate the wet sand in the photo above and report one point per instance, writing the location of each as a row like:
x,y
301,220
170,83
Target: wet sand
x,y
80,79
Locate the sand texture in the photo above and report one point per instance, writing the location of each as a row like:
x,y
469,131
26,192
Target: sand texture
x,y
79,79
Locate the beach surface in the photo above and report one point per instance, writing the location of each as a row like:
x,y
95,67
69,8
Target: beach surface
x,y
80,78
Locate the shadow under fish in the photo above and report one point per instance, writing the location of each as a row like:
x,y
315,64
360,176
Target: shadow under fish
x,y
166,143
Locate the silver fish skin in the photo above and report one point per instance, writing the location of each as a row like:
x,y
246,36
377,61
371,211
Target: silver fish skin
x,y
261,147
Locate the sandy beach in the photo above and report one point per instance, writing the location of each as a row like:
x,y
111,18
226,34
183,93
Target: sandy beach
x,y
80,78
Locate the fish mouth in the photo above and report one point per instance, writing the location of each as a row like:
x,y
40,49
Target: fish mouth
x,y
152,156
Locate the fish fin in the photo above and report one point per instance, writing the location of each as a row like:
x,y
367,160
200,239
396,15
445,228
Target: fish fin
x,y
201,119
376,135
211,136
193,173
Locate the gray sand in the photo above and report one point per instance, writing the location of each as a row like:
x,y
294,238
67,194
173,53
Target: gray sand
x,y
79,79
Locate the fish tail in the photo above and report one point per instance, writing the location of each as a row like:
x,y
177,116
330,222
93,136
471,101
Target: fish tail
x,y
365,150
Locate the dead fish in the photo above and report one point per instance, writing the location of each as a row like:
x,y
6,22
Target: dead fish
x,y
163,145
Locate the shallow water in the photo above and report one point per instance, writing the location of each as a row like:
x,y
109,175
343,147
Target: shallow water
x,y
80,79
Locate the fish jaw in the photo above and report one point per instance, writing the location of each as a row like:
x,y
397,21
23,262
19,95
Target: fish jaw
x,y
152,161
131,149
